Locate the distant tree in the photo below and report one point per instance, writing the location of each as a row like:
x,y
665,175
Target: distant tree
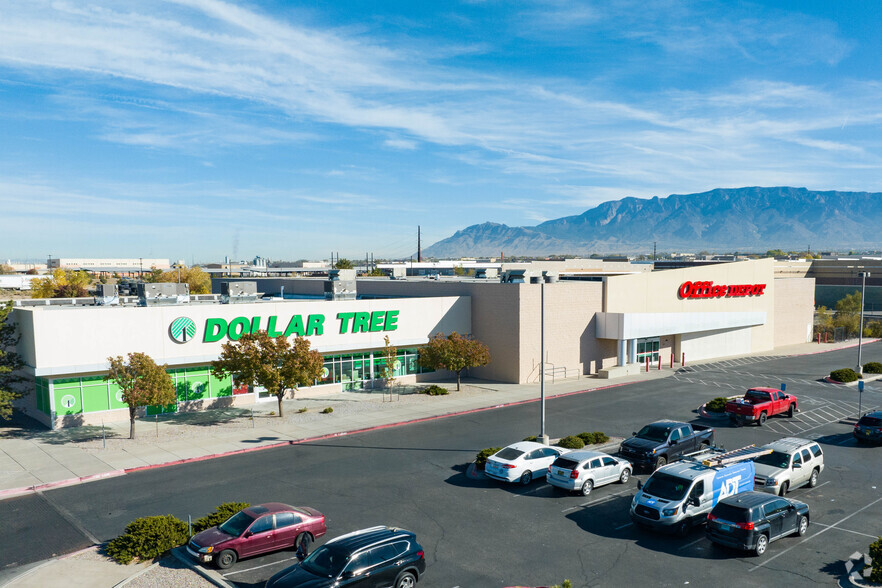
x,y
343,264
454,352
195,277
5,268
775,253
848,311
873,329
31,272
61,283
154,276
376,272
271,362
823,320
10,362
390,355
142,383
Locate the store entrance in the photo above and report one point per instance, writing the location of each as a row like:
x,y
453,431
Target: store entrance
x,y
647,348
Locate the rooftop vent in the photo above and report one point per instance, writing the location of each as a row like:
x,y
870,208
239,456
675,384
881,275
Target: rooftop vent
x,y
238,292
163,294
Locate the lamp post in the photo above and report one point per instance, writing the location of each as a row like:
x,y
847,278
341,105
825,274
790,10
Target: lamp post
x,y
863,275
543,438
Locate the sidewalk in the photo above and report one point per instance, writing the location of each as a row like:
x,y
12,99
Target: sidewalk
x,y
36,459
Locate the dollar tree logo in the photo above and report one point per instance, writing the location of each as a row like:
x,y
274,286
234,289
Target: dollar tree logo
x,y
182,329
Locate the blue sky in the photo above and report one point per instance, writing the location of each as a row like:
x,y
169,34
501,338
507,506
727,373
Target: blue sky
x,y
196,129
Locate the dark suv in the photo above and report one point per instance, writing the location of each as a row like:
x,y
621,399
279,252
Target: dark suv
x,y
869,428
379,557
751,520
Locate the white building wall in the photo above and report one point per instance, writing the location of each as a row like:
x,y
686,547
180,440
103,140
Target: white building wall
x,y
713,344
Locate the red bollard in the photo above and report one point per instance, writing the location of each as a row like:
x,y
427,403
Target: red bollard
x,y
672,361
825,336
819,338
647,363
683,361
659,361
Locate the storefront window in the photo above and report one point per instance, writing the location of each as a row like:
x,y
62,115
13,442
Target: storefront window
x,y
647,348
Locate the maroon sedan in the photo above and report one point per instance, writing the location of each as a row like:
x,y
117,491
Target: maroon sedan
x,y
257,530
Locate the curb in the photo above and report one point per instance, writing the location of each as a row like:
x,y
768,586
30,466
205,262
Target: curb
x,y
133,576
12,492
209,574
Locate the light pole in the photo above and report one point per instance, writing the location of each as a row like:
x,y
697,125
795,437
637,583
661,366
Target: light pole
x,y
863,275
543,438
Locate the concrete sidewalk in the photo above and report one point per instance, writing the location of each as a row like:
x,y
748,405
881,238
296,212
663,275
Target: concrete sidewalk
x,y
35,459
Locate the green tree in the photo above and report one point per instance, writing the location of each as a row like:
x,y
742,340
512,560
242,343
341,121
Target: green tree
x,y
848,313
271,362
195,277
823,320
343,264
390,354
775,253
61,283
10,362
454,352
142,383
154,276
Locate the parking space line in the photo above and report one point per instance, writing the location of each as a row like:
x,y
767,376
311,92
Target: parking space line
x,y
808,416
598,501
258,567
847,530
818,486
824,530
691,544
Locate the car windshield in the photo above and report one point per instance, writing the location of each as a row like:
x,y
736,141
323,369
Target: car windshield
x,y
730,513
654,433
869,421
509,453
666,486
776,459
326,561
236,524
754,396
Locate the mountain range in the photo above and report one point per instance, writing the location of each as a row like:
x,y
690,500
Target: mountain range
x,y
753,219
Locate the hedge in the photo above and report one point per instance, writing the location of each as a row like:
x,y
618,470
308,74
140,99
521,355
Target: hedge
x,y
435,390
482,456
844,375
718,404
873,367
220,514
571,442
876,554
594,438
147,538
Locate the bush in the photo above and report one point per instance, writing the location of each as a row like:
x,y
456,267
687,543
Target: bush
x,y
718,404
593,438
220,514
328,410
566,584
844,375
873,367
302,410
876,554
435,390
533,438
147,538
571,442
482,456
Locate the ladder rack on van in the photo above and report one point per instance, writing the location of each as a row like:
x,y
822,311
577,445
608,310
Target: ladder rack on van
x,y
717,456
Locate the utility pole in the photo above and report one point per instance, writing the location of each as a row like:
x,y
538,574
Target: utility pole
x,y
419,247
654,243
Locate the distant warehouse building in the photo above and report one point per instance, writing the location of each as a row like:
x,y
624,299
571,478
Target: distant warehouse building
x,y
606,325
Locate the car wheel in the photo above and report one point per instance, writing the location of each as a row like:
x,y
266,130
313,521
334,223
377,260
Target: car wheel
x,y
790,412
762,419
301,544
682,528
802,526
813,481
783,490
626,475
660,462
405,580
587,487
226,558
527,477
762,543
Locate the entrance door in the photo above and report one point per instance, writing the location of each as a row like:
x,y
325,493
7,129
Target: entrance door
x,y
647,348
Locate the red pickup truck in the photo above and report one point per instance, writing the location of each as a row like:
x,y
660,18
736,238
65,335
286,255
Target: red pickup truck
x,y
760,403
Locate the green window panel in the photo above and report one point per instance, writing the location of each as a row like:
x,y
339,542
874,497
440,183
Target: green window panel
x,y
95,398
152,410
182,389
66,383
115,396
221,386
68,401
90,380
198,386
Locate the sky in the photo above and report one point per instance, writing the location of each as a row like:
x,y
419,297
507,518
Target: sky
x,y
200,129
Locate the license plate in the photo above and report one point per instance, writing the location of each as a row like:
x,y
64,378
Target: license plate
x,y
207,558
561,472
725,527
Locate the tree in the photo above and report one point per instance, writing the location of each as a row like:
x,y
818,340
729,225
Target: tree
x,y
5,268
390,355
343,264
154,276
848,313
775,253
454,352
271,362
824,320
61,283
142,383
195,277
9,363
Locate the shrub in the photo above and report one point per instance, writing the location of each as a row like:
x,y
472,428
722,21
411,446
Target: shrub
x,y
873,367
533,438
435,390
220,514
844,375
566,584
571,442
302,410
593,438
718,404
328,410
876,554
147,538
482,456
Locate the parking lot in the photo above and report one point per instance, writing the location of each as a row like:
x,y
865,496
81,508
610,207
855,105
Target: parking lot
x,y
481,533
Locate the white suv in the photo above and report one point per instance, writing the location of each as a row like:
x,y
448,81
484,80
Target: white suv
x,y
792,463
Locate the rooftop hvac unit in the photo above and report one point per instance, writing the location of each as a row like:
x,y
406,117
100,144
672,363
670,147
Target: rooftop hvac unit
x,y
340,285
486,273
237,292
550,277
398,272
163,294
515,276
106,295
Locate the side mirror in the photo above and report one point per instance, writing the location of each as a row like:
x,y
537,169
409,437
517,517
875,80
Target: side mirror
x,y
695,501
348,574
248,534
797,466
673,441
634,433
639,484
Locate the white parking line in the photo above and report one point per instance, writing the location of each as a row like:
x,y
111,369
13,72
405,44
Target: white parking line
x,y
598,501
691,544
809,416
847,530
824,530
818,486
258,567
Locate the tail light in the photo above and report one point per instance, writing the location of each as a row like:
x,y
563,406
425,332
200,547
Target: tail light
x,y
508,466
574,474
745,526
421,554
711,517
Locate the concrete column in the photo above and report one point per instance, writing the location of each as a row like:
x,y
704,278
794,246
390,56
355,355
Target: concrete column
x,y
632,350
622,359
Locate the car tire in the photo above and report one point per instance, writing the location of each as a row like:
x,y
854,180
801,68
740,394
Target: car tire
x,y
791,411
405,580
527,477
302,543
682,529
625,476
762,543
813,481
660,462
784,487
226,558
802,524
587,487
762,419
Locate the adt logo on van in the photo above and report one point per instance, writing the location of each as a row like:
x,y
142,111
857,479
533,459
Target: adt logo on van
x,y
182,329
729,487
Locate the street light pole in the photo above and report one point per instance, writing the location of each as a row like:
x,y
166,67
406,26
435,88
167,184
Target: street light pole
x,y
863,275
543,438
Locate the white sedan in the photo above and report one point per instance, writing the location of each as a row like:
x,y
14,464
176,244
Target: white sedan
x,y
522,461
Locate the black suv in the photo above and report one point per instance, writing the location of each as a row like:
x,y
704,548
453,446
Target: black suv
x,y
751,520
379,557
869,428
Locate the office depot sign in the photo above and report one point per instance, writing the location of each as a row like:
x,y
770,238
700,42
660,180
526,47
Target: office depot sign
x,y
711,290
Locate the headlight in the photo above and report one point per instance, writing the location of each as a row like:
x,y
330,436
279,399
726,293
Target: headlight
x,y
669,512
771,482
653,451
208,549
